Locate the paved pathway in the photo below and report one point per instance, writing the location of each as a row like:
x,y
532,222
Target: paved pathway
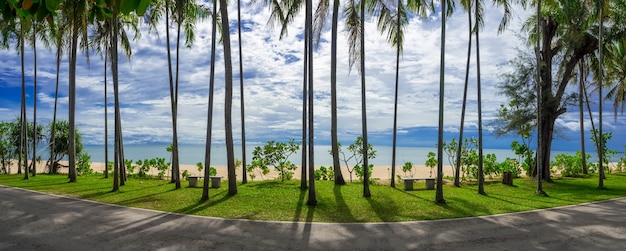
x,y
31,220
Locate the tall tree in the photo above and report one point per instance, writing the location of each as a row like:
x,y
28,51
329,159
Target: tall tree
x,y
601,101
439,193
366,175
209,132
312,198
467,5
228,104
244,178
23,153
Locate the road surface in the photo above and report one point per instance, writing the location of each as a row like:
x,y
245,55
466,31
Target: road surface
x,y
35,221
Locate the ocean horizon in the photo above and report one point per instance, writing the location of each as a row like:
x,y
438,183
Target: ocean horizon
x,y
192,154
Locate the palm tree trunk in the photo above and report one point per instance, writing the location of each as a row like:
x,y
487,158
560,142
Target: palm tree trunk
x,y
481,173
439,193
172,97
119,159
339,180
72,100
539,161
34,161
244,178
106,120
52,146
457,170
303,171
581,83
395,101
23,121
600,100
228,105
366,176
176,165
209,132
312,199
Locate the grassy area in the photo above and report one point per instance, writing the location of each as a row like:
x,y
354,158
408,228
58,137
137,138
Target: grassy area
x,y
275,200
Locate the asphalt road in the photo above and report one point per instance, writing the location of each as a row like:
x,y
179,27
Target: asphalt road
x,y
35,221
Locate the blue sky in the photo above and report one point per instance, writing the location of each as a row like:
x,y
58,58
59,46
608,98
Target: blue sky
x,y
272,78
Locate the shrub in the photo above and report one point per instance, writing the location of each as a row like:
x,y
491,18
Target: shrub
x,y
570,165
359,172
83,167
275,154
324,173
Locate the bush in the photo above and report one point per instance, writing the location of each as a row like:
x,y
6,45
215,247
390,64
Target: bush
x,y
569,165
275,154
324,173
359,172
83,167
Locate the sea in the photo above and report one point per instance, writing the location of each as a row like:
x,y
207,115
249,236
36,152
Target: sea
x,y
192,154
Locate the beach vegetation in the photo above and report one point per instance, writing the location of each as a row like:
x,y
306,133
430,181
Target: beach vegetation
x,y
355,154
275,154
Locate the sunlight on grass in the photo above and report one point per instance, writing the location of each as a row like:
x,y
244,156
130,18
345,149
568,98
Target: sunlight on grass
x,y
284,201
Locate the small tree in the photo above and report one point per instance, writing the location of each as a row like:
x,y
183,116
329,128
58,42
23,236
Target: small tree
x,y
355,153
431,162
276,154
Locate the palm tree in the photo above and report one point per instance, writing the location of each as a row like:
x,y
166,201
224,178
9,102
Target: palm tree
x,y
600,79
366,187
439,193
228,105
244,178
23,153
581,85
478,10
320,17
312,199
209,133
467,5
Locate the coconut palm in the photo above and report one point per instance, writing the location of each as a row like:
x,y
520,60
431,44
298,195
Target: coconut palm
x,y
244,178
209,134
228,104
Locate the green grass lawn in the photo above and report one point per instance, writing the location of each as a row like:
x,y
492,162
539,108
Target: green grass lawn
x,y
284,201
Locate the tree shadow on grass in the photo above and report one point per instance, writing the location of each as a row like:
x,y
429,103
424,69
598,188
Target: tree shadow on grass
x,y
342,207
204,204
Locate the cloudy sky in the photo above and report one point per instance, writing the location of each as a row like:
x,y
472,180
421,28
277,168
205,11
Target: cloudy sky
x,y
273,82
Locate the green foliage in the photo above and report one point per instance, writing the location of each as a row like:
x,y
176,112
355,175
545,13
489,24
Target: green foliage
x,y
431,162
200,167
355,154
525,155
510,165
407,169
360,172
146,165
212,171
324,173
6,148
621,164
83,167
607,154
185,174
568,165
129,166
275,154
61,142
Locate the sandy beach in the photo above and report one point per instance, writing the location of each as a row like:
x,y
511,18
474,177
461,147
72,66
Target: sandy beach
x,y
383,173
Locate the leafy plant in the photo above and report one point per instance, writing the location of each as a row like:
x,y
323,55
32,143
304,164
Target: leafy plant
x,y
275,154
407,169
200,167
607,154
431,161
129,166
82,166
212,171
569,165
359,172
355,153
324,173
